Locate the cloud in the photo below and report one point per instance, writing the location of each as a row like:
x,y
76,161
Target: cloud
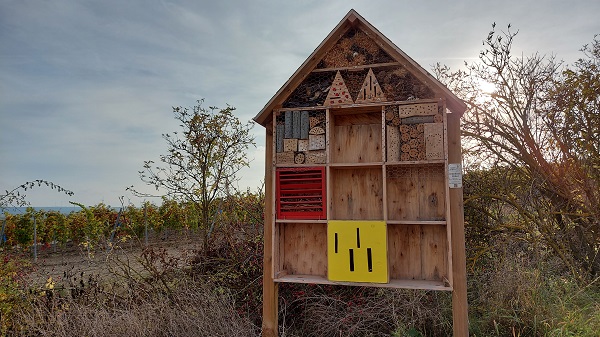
x,y
86,88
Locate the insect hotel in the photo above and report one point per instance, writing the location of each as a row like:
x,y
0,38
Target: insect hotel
x,y
363,173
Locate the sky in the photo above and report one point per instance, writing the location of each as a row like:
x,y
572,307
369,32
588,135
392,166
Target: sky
x,y
87,87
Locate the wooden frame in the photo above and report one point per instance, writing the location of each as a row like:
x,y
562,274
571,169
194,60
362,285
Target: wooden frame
x,y
384,161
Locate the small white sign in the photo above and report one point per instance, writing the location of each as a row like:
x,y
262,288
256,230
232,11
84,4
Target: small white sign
x,y
455,175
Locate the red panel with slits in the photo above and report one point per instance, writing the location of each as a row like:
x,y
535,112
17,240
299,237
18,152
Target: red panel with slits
x,y
301,193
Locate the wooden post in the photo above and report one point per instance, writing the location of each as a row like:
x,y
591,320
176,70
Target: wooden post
x,y
460,313
270,296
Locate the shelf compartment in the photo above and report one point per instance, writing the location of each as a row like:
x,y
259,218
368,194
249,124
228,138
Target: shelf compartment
x,y
301,193
301,249
416,192
418,252
356,193
356,136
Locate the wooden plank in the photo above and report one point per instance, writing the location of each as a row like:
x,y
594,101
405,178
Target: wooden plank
x,y
270,288
305,248
358,118
375,65
357,194
432,193
304,125
356,143
394,283
458,253
434,253
402,192
405,251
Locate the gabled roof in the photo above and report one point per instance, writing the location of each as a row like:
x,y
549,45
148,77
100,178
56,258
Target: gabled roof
x,y
350,21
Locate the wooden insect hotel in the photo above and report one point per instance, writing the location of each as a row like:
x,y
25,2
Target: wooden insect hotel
x,y
363,174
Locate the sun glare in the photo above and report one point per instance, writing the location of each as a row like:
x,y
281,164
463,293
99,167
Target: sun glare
x,y
487,89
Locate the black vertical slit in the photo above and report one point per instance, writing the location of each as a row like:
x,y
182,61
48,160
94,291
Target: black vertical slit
x,y
375,91
370,260
358,238
336,243
365,93
370,83
351,259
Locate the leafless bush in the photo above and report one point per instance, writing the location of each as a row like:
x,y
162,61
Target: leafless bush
x,y
193,309
308,310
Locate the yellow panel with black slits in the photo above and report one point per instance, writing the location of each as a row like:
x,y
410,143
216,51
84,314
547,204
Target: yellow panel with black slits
x,y
357,251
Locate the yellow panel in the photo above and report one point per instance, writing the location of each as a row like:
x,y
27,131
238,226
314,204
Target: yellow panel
x,y
357,251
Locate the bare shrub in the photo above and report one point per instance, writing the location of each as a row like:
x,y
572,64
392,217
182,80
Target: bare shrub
x,y
314,310
196,309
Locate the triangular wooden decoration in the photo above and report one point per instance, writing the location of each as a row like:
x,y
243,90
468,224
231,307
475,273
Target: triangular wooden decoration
x,y
370,91
338,93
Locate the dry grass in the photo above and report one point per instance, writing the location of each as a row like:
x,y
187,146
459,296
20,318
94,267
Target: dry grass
x,y
189,311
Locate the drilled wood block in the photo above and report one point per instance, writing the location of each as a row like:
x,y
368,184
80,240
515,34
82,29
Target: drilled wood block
x,y
393,143
304,125
417,110
290,145
338,93
316,142
279,130
299,158
417,120
439,118
315,157
285,158
434,141
313,121
303,145
296,131
289,122
317,130
370,90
